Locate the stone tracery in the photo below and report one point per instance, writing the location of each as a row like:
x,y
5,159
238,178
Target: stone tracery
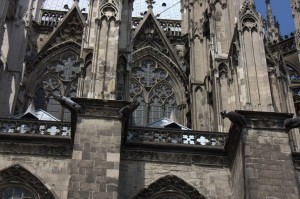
x,y
153,87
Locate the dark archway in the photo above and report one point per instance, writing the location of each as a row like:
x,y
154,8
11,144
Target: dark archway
x,y
17,177
169,186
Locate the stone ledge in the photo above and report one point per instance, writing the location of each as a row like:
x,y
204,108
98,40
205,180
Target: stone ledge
x,y
101,108
265,120
207,159
45,149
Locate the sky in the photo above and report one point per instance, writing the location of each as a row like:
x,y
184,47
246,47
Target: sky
x,y
281,9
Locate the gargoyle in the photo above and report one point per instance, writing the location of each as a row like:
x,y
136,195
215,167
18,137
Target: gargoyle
x,y
235,118
67,103
127,110
292,123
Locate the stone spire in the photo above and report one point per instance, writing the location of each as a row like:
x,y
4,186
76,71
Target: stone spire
x,y
272,24
150,4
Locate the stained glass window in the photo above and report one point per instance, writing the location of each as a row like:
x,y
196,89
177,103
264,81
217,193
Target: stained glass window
x,y
16,192
59,78
152,86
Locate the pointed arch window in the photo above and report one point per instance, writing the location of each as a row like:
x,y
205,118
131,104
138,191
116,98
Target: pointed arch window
x,y
16,182
169,187
59,77
152,86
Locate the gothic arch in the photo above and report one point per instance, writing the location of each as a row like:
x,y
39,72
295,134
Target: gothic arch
x,y
177,75
18,176
108,10
223,70
155,86
249,18
57,73
170,185
40,66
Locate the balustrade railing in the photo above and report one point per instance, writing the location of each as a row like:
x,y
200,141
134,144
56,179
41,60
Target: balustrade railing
x,y
53,17
34,127
153,136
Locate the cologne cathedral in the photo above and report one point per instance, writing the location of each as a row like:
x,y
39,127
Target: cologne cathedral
x,y
119,99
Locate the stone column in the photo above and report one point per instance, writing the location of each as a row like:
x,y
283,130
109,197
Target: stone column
x,y
199,64
295,5
254,61
96,153
3,12
261,157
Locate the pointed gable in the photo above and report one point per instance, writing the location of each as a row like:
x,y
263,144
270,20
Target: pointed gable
x,y
248,11
70,28
150,34
68,32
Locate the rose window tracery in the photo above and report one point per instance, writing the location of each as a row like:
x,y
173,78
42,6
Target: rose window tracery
x,y
148,73
66,68
152,86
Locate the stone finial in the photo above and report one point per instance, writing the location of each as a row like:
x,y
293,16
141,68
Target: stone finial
x,y
272,25
150,3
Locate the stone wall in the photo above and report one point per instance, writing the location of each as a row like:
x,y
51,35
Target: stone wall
x,y
237,173
212,182
54,172
298,177
269,169
96,154
95,162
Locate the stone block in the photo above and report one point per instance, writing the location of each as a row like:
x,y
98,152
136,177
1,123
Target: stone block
x,y
113,157
112,173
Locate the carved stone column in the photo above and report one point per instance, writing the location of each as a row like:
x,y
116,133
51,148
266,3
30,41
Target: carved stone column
x,y
254,60
103,37
199,66
3,12
96,153
295,5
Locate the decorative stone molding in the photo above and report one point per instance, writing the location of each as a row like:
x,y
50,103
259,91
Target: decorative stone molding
x,y
218,160
109,10
265,120
102,108
63,149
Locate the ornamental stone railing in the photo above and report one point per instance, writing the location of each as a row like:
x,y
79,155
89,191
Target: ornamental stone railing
x,y
25,136
51,18
174,137
34,127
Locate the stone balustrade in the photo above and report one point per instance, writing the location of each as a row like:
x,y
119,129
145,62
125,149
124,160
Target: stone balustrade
x,y
34,127
174,137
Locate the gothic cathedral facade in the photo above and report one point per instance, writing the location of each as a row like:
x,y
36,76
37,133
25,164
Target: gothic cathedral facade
x,y
104,105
